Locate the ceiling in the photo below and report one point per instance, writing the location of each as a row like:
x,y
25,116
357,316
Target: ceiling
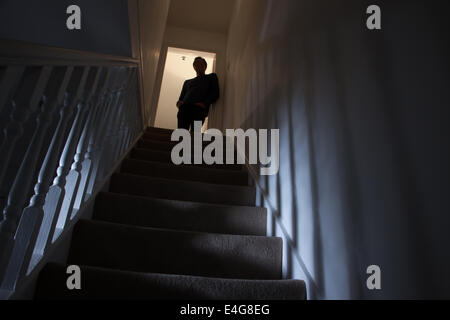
x,y
207,15
192,53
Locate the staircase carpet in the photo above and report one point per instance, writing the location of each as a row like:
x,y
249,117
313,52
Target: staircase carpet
x,y
123,247
182,190
169,171
100,283
165,156
153,144
180,215
173,232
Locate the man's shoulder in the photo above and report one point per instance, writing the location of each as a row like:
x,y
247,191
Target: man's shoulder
x,y
207,76
189,81
212,77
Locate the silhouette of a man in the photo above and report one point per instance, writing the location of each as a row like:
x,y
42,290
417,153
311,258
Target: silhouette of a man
x,y
197,96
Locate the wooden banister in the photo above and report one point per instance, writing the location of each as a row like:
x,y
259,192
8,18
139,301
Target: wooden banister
x,y
68,116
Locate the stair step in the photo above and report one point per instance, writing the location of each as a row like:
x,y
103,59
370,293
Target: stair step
x,y
169,145
166,136
163,133
180,215
151,155
158,136
174,232
156,145
165,146
165,156
183,190
98,283
159,130
129,248
171,171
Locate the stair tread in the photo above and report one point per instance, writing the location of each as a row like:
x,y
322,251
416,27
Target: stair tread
x,y
180,215
101,283
132,248
168,134
183,190
148,143
171,171
187,167
162,132
174,232
164,156
155,129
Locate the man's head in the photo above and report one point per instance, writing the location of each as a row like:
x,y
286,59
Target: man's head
x,y
200,65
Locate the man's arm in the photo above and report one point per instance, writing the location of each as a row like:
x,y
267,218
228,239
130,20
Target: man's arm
x,y
183,93
214,91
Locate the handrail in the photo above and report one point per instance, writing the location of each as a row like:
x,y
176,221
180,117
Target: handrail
x,y
66,118
17,50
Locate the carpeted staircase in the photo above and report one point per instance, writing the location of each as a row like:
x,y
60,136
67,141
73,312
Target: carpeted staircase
x,y
173,232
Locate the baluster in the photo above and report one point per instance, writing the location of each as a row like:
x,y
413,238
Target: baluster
x,y
128,128
121,138
32,216
30,221
75,173
131,126
130,122
73,178
121,129
140,125
99,142
42,201
92,155
8,86
137,122
66,181
111,145
116,137
35,209
108,152
12,207
128,115
70,86
26,102
86,151
102,160
17,197
87,123
130,107
124,131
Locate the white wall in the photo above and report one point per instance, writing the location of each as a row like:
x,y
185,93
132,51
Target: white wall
x,y
363,176
201,41
152,20
176,71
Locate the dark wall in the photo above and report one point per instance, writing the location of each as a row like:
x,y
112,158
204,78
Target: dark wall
x,y
105,27
364,135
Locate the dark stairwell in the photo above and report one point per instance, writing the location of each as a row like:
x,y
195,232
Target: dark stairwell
x,y
173,232
363,176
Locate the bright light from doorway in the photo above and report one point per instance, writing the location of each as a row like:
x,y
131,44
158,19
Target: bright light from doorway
x,y
178,68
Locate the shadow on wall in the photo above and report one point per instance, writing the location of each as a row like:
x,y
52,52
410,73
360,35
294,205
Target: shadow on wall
x,y
284,99
294,189
353,188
